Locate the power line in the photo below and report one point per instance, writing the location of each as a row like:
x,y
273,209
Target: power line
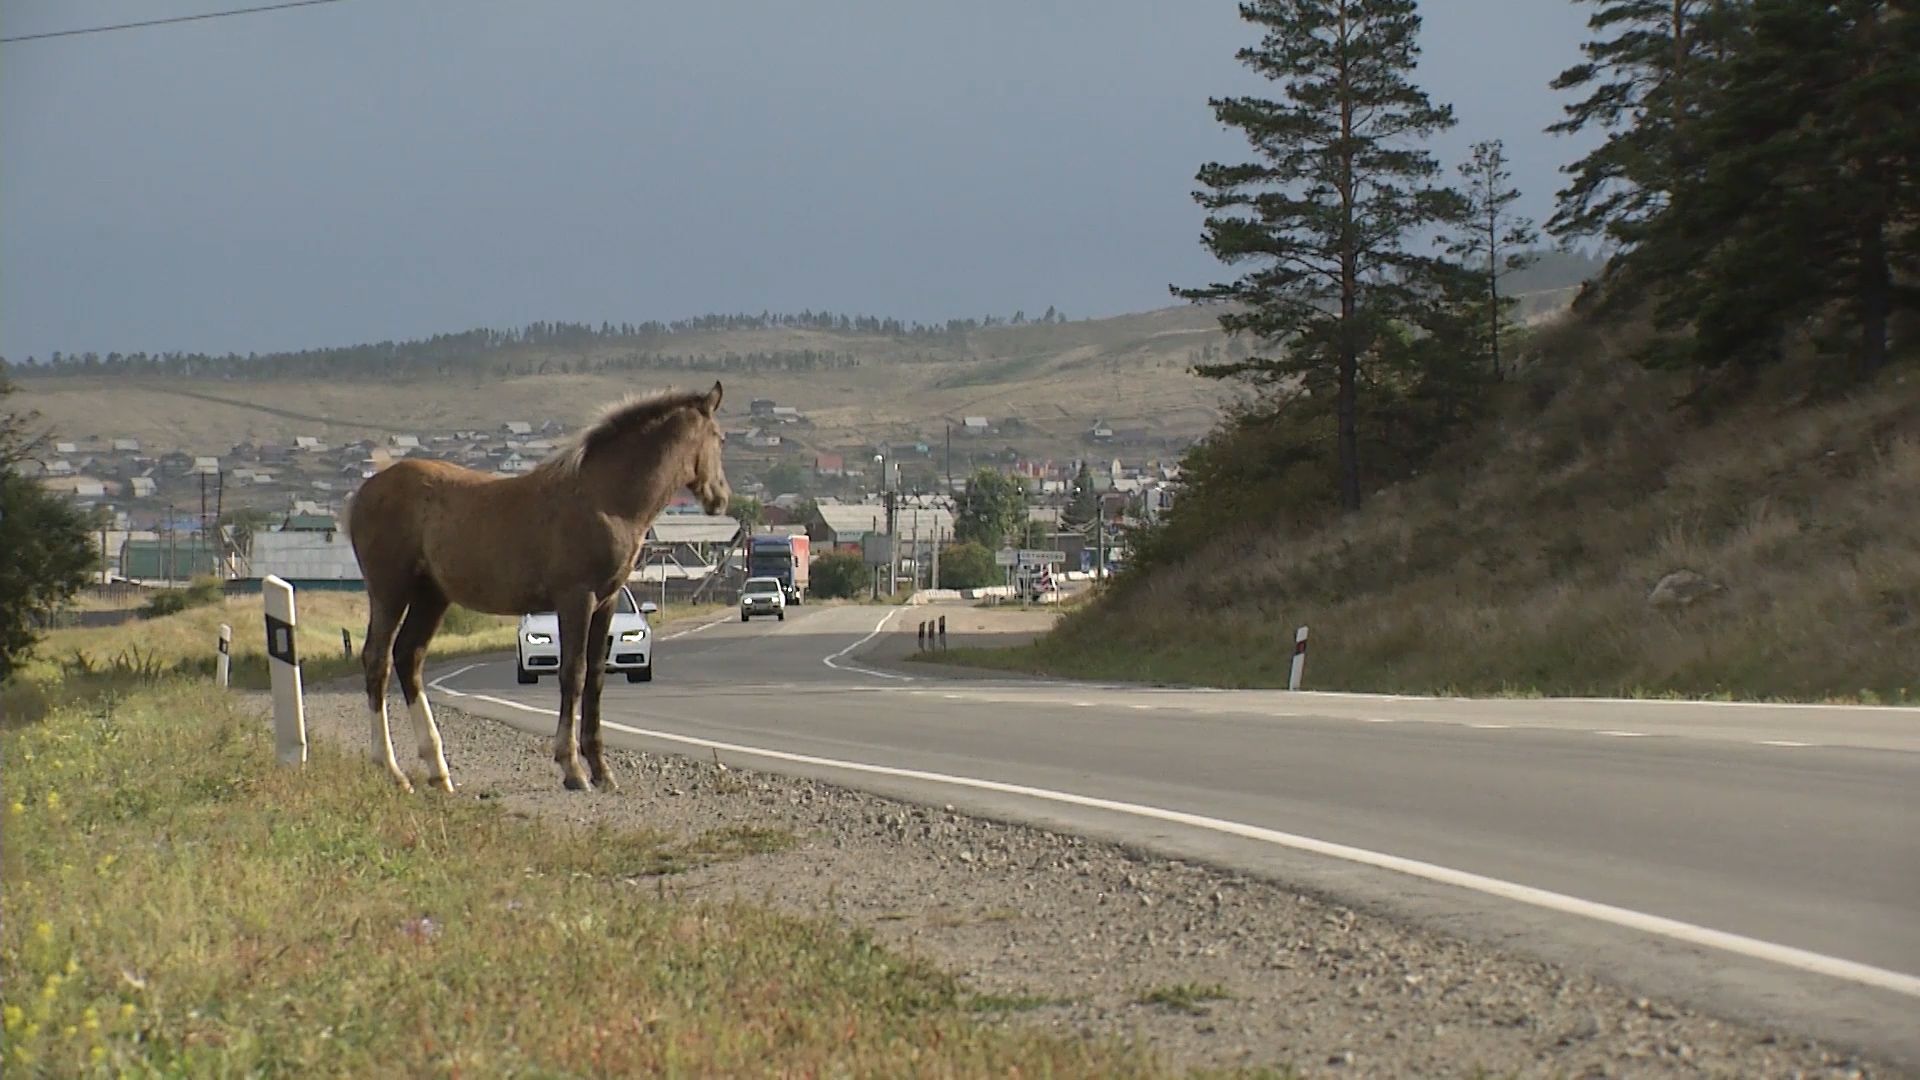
x,y
166,22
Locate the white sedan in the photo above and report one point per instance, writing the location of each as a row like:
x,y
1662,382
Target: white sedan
x,y
629,642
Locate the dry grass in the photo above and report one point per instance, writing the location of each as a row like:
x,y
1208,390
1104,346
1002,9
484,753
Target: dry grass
x,y
161,875
1130,371
89,663
1524,565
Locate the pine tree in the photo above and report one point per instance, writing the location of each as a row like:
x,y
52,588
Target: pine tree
x,y
1327,213
1645,76
1805,206
1492,239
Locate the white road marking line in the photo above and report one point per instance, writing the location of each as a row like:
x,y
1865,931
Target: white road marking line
x,y
877,627
1784,742
1143,706
1624,734
1907,710
1772,952
697,629
1491,727
435,684
1083,704
1379,719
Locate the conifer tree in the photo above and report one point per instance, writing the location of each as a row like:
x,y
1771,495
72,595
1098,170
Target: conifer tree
x,y
1491,240
1327,216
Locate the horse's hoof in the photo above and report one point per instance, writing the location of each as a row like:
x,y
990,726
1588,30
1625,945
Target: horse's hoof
x,y
440,783
574,783
607,784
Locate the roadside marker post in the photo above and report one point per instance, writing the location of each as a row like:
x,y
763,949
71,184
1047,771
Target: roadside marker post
x,y
223,663
289,712
1299,658
346,642
923,636
943,633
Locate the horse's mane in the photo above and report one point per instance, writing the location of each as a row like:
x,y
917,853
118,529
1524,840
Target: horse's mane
x,y
632,413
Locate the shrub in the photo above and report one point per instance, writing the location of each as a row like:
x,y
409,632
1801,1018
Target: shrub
x,y
968,566
839,576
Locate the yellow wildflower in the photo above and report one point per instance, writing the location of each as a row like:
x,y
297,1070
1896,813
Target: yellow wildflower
x,y
71,1031
53,800
43,930
13,1016
98,1054
126,1010
72,965
90,1019
18,808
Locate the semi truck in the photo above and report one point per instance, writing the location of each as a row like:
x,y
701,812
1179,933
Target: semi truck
x,y
784,558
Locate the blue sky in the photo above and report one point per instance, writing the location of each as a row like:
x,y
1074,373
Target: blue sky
x,y
378,169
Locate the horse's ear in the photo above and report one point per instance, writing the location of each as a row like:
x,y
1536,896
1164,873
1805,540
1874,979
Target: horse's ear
x,y
712,404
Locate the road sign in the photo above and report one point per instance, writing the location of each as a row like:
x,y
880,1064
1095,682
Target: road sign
x,y
1034,557
1006,557
877,549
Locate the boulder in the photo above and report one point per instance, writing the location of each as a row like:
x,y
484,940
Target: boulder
x,y
1680,589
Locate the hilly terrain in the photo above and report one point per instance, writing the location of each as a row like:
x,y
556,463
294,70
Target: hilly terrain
x,y
1042,387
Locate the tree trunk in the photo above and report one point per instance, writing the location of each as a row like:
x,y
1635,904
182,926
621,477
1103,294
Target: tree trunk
x,y
1875,296
1347,408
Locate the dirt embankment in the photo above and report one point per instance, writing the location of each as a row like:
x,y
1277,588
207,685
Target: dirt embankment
x,y
1203,967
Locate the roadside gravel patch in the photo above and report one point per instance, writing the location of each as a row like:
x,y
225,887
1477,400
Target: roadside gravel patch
x,y
1088,938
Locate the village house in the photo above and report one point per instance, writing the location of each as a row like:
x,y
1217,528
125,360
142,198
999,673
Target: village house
x,y
517,427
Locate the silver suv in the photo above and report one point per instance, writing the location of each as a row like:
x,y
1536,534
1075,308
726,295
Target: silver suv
x,y
763,596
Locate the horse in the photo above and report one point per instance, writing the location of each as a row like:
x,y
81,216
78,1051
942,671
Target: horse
x,y
562,538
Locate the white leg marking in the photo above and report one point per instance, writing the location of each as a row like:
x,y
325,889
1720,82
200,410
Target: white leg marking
x,y
428,734
383,745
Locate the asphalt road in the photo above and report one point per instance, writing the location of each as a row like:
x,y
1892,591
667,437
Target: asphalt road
x,y
1760,862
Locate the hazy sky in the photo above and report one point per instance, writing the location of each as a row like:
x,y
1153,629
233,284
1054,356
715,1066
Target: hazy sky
x,y
379,169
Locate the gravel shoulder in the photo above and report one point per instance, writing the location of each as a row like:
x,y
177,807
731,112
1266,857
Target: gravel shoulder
x,y
1206,968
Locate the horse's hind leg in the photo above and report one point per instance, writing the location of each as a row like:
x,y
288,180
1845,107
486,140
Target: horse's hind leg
x,y
376,658
597,628
410,658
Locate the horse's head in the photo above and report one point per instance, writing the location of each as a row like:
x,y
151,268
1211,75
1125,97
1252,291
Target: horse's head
x,y
706,477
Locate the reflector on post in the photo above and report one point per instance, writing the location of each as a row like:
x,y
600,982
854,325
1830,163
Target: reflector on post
x,y
283,664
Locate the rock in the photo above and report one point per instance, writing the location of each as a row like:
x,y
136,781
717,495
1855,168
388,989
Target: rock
x,y
1681,589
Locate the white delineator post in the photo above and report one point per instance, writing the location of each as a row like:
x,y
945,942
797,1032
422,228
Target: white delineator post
x,y
289,714
1299,658
223,663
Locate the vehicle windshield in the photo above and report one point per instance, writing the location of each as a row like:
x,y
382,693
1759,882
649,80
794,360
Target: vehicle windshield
x,y
623,603
761,585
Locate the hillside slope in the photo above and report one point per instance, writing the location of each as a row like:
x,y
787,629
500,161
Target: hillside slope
x,y
1055,379
1528,561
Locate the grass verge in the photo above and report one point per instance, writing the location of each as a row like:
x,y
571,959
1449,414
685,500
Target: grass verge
x,y
178,905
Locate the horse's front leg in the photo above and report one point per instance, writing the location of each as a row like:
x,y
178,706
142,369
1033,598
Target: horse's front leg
x,y
575,614
597,631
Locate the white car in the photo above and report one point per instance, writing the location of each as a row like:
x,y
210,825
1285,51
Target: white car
x,y
763,596
629,642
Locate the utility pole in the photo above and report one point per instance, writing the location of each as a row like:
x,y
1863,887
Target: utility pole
x,y
172,530
1099,542
949,458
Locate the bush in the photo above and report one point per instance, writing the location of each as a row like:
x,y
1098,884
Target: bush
x,y
968,566
202,592
839,576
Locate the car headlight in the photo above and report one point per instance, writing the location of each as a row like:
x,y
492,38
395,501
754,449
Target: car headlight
x,y
633,635
537,638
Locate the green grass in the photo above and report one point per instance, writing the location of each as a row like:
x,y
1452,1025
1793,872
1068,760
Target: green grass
x,y
180,905
1185,997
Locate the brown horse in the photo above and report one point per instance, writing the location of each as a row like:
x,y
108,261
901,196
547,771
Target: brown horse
x,y
562,538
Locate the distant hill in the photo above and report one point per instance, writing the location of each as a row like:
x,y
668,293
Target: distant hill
x,y
1041,385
